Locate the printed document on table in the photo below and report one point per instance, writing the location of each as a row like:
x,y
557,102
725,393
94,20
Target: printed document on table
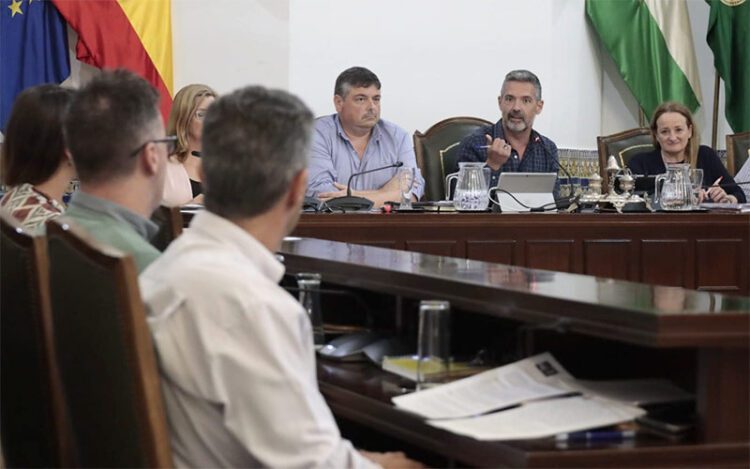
x,y
542,419
537,377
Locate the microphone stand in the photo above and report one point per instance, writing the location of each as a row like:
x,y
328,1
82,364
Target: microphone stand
x,y
563,203
353,203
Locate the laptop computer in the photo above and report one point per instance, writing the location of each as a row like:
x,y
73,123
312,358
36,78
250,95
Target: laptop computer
x,y
531,189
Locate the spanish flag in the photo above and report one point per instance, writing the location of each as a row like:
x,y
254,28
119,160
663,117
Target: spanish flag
x,y
131,34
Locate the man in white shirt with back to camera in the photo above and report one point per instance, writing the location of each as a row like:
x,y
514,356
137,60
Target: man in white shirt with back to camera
x,y
235,349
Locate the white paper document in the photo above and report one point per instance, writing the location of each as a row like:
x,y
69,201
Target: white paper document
x,y
531,379
537,377
542,419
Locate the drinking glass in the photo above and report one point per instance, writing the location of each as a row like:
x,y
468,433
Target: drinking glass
x,y
696,183
405,183
309,297
433,343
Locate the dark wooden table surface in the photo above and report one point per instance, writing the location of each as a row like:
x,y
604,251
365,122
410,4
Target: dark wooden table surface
x,y
703,337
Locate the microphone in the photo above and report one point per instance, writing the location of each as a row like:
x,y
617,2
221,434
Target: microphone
x,y
350,203
561,203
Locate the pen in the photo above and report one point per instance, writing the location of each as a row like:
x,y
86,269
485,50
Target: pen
x,y
488,146
603,435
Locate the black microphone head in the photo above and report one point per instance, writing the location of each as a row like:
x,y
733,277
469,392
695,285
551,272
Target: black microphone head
x,y
398,165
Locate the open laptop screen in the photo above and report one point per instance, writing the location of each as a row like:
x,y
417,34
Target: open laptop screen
x,y
531,189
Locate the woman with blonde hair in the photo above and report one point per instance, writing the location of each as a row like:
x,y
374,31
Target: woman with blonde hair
x,y
183,181
677,141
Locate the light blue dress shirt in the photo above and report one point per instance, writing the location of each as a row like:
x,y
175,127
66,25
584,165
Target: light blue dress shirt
x,y
334,158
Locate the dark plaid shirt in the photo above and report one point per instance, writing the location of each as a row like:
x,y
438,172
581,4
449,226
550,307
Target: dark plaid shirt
x,y
540,156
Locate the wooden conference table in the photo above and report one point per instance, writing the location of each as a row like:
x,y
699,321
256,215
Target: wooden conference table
x,y
704,251
597,328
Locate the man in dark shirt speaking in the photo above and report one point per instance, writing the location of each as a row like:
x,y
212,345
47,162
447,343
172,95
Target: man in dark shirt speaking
x,y
511,145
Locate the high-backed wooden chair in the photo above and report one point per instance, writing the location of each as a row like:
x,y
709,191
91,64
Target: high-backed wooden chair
x,y
623,145
169,220
105,354
738,146
437,151
32,414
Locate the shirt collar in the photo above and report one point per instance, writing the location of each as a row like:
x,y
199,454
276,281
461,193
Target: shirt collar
x,y
340,129
534,137
143,226
213,226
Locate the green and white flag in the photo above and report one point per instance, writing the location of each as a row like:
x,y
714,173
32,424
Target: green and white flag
x,y
729,38
652,44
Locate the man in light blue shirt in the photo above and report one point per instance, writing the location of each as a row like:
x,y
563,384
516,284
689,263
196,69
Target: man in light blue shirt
x,y
356,139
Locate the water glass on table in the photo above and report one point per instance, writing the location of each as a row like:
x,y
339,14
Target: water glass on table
x,y
309,297
696,183
405,184
433,343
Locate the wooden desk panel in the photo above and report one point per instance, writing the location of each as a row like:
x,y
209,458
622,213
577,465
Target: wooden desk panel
x,y
697,251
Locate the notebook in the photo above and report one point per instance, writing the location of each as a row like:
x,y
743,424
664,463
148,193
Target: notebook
x,y
530,189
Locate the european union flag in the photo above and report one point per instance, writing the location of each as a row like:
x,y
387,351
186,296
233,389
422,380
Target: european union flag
x,y
33,49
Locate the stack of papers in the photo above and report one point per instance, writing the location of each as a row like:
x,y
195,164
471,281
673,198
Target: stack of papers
x,y
540,397
542,419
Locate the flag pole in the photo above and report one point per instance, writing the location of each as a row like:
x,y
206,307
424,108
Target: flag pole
x,y
715,117
641,117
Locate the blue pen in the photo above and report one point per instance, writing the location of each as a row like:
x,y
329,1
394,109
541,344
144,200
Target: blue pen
x,y
592,436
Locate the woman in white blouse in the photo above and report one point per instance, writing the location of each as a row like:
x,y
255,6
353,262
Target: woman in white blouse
x,y
183,182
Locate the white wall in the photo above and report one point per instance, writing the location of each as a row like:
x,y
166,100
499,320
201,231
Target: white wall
x,y
435,58
230,43
448,58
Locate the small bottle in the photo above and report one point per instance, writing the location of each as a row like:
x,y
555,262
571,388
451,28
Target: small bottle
x,y
309,297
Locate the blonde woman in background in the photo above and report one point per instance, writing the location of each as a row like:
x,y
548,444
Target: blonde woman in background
x,y
183,181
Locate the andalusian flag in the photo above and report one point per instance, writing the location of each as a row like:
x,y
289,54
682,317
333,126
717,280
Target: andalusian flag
x,y
729,38
132,34
652,44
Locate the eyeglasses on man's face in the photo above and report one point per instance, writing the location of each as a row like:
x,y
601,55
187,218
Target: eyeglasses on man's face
x,y
170,141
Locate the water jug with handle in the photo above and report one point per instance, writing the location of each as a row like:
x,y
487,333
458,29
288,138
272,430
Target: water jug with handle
x,y
472,187
674,189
